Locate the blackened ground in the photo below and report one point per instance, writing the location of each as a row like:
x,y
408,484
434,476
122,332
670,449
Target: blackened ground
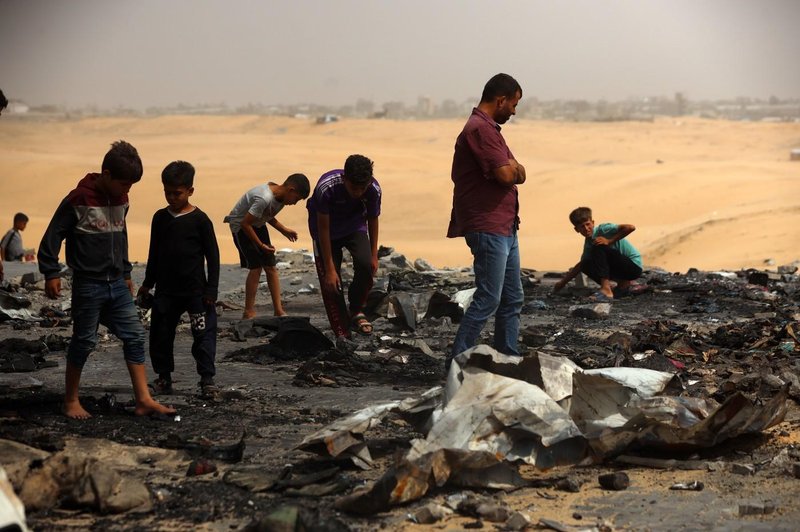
x,y
724,335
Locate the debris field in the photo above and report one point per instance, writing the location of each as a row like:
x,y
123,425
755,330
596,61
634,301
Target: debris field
x,y
673,408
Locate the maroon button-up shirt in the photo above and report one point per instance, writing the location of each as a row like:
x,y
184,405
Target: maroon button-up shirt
x,y
480,203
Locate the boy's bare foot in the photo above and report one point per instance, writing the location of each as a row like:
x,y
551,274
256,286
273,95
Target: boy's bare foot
x,y
248,314
150,406
278,314
74,410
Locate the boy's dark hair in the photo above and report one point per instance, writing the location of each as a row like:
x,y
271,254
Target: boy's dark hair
x,y
580,215
123,163
3,101
358,170
500,85
178,174
20,217
300,183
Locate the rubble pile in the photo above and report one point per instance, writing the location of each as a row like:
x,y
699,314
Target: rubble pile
x,y
686,388
20,354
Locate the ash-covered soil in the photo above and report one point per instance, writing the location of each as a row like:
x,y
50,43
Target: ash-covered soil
x,y
720,334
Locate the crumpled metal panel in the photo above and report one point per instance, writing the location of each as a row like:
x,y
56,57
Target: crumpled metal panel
x,y
496,410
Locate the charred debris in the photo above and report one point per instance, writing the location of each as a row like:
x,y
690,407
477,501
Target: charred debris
x,y
695,371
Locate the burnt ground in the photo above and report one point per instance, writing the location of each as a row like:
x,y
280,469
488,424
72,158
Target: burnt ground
x,y
725,334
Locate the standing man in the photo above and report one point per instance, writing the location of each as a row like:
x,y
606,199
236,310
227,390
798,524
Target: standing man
x,y
485,212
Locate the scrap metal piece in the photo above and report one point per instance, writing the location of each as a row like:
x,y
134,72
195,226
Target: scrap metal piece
x,y
204,448
695,485
510,418
410,480
596,311
492,414
737,416
12,510
464,297
345,437
662,463
402,310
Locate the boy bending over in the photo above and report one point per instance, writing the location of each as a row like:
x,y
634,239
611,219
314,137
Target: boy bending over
x,y
92,221
343,214
248,220
607,256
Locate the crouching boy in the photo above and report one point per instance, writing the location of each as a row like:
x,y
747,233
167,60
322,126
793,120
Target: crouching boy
x,y
607,256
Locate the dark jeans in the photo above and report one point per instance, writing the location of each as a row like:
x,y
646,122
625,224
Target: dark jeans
x,y
167,311
359,247
605,262
110,303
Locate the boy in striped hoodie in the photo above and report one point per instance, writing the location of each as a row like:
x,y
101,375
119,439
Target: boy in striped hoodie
x,y
92,221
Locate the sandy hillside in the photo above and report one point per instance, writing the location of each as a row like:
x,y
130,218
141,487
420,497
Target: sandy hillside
x,y
702,193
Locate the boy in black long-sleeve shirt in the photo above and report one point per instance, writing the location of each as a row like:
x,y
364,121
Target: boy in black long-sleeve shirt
x,y
181,241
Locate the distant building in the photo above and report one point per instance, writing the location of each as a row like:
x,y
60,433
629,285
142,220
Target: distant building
x,y
394,109
425,106
364,107
17,108
327,119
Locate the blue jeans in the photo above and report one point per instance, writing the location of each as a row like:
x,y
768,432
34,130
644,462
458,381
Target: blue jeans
x,y
110,303
499,292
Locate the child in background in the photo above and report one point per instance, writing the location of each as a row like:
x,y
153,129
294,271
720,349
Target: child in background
x,y
11,248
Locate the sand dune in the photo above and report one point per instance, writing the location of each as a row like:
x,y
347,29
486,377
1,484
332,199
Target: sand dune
x,y
702,193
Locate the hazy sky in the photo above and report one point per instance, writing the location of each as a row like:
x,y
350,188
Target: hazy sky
x,y
149,52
